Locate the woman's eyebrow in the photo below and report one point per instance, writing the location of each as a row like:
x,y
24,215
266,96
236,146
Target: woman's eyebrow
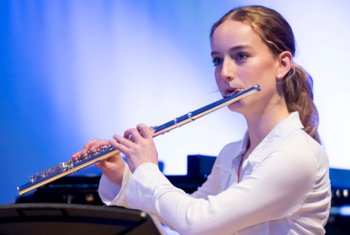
x,y
235,48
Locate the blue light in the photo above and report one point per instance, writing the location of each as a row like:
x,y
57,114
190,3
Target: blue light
x,y
344,210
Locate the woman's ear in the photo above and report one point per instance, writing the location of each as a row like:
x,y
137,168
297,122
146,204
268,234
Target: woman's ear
x,y
285,60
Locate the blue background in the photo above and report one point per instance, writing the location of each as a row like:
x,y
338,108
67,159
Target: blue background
x,y
72,71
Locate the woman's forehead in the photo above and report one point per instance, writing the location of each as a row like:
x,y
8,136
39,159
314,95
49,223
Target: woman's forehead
x,y
233,33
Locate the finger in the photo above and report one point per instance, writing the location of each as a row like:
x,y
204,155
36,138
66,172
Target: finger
x,y
102,163
76,155
94,145
120,143
133,135
89,146
145,131
112,159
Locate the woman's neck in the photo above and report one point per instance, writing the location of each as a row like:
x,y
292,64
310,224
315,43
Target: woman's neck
x,y
261,124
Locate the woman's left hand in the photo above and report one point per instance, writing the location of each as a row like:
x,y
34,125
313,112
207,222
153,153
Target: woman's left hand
x,y
137,145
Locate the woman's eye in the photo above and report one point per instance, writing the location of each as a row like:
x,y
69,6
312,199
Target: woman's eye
x,y
216,61
241,57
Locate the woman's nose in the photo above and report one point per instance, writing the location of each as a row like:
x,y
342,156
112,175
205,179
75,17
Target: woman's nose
x,y
228,70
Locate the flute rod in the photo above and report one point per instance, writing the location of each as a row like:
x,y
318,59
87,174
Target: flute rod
x,y
104,152
191,116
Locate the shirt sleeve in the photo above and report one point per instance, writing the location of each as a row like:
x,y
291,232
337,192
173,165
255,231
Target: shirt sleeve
x,y
224,160
209,186
112,193
276,188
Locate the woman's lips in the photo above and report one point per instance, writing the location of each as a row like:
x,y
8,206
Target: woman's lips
x,y
232,91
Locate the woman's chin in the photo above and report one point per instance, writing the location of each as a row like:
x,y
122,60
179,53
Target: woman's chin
x,y
236,107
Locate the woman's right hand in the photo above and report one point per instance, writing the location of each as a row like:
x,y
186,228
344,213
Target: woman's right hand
x,y
112,167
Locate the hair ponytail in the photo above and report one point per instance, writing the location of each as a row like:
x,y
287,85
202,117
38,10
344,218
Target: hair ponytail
x,y
298,93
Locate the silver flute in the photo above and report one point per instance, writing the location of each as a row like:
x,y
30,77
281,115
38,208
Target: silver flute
x,y
106,151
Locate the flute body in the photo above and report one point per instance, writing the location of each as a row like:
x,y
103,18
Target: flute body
x,y
104,152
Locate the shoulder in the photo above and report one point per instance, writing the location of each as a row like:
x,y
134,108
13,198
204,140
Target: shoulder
x,y
300,153
308,150
302,145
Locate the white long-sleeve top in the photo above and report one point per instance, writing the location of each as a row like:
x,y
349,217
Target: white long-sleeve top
x,y
283,189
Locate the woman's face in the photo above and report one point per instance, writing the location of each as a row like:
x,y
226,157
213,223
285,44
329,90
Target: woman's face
x,y
242,60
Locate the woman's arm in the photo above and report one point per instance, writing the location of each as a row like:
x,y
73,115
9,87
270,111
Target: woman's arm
x,y
275,189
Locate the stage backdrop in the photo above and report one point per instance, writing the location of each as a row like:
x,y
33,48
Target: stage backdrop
x,y
72,71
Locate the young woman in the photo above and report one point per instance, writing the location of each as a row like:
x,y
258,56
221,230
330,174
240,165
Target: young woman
x,y
275,180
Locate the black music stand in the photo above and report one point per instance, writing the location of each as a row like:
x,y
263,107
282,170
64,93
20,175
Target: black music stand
x,y
69,219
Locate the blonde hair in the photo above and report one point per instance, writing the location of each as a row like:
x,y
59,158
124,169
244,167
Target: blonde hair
x,y
277,34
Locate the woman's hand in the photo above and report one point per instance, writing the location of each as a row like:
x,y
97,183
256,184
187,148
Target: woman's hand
x,y
137,145
112,167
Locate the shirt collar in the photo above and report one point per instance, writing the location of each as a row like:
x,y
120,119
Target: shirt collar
x,y
277,134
